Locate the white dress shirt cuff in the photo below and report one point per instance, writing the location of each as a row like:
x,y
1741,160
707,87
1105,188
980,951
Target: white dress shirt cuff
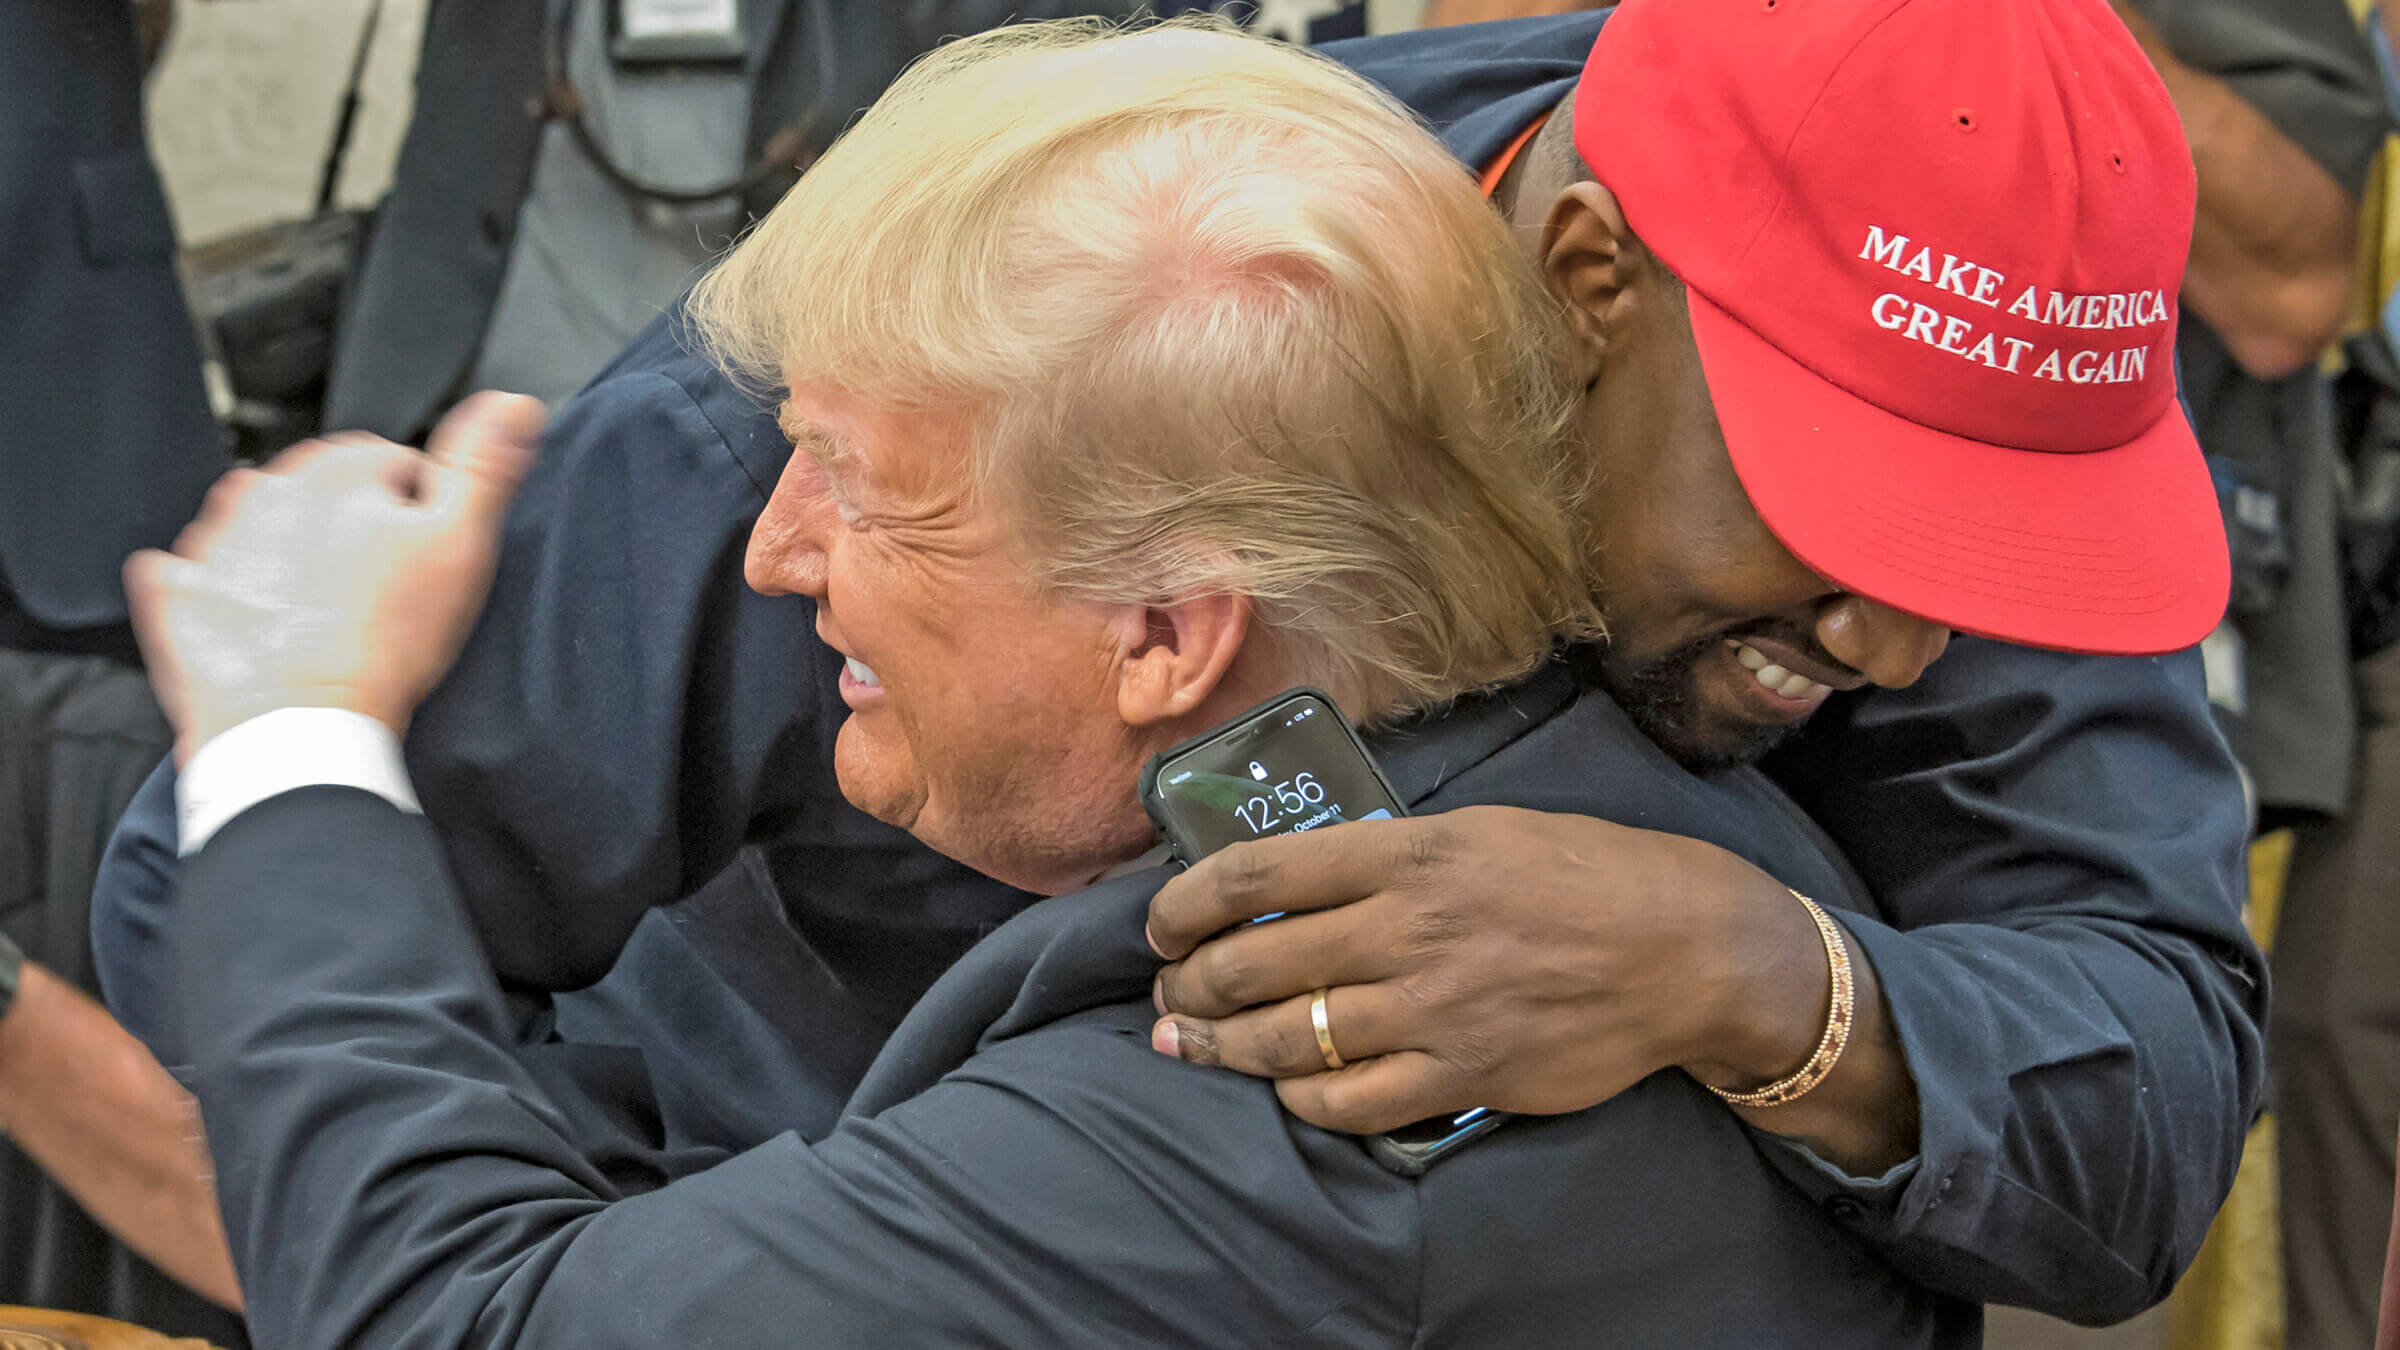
x,y
278,752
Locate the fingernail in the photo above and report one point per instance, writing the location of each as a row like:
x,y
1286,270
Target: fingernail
x,y
1154,949
1158,993
1165,1038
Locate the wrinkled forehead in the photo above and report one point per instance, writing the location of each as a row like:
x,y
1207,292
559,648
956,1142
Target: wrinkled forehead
x,y
910,454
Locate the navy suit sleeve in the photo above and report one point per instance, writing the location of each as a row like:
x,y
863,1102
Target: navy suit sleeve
x,y
391,1175
610,735
2056,847
131,898
624,715
1478,85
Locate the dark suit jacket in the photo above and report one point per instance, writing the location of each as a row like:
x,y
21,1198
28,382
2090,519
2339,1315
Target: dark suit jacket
x,y
1017,1167
106,443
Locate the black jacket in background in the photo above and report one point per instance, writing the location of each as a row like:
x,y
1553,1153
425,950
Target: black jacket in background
x,y
106,443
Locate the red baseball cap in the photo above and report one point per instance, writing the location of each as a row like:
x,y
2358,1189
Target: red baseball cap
x,y
1931,250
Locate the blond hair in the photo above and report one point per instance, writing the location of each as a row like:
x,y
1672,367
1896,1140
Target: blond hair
x,y
1227,321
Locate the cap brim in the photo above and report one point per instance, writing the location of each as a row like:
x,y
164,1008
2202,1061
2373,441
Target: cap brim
x,y
2118,551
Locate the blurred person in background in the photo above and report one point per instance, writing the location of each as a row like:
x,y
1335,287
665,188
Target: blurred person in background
x,y
572,165
105,434
2283,107
2336,1026
106,446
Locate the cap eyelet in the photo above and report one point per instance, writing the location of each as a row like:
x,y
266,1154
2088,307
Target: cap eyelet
x,y
1963,119
1770,6
2116,160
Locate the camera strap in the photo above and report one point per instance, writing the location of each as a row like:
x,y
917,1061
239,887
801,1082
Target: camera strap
x,y
786,151
346,122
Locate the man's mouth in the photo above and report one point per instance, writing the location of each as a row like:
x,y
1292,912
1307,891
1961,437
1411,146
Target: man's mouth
x,y
1773,678
857,671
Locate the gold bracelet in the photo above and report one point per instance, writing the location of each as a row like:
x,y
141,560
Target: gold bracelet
x,y
1837,1023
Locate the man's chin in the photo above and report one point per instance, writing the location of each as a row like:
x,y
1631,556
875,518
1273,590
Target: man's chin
x,y
872,783
1664,700
1703,744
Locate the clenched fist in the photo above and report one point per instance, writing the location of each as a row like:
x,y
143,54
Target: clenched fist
x,y
346,574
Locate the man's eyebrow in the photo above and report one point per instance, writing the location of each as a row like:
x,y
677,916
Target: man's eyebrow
x,y
815,441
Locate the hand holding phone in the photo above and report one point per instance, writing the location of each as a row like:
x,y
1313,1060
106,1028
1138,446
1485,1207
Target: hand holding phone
x,y
1291,764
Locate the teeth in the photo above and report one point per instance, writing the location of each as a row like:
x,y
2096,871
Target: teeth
x,y
1788,683
859,672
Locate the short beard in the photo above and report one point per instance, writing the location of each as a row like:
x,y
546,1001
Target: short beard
x,y
1658,697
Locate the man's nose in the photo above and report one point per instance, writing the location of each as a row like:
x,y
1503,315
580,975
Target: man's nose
x,y
786,554
1888,647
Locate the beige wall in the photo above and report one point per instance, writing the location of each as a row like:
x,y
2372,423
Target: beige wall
x,y
243,102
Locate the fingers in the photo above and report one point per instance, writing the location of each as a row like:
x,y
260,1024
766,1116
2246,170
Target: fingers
x,y
1378,1094
152,579
1280,1041
339,460
224,497
1383,1086
354,463
1316,870
480,453
1262,963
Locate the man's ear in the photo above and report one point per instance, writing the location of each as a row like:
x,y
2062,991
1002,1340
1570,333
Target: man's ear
x,y
1588,259
1176,655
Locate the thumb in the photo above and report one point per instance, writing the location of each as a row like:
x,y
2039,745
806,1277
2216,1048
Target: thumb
x,y
480,453
153,580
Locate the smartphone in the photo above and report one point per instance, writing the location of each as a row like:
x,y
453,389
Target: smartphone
x,y
1411,1149
1288,765
1291,764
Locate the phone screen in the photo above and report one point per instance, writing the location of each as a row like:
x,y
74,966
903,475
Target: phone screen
x,y
1289,767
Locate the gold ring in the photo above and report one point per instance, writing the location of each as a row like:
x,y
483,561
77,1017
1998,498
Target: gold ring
x,y
1324,1026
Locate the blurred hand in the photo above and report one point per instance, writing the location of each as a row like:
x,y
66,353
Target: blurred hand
x,y
1486,957
346,574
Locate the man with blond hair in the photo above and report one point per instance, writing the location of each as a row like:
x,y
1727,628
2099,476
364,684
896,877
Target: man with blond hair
x,y
1118,411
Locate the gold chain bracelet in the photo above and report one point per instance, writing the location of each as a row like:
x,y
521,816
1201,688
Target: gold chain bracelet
x,y
1837,1023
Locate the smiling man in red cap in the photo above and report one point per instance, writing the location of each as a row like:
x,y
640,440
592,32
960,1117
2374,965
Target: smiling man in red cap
x,y
1876,301
1922,305
1930,289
